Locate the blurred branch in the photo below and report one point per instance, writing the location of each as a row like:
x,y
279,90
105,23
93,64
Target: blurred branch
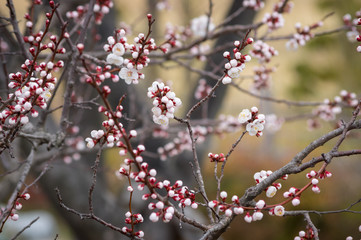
x,y
17,32
26,227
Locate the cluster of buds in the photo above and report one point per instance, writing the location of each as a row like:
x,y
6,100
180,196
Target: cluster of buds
x,y
235,66
117,46
33,87
166,213
271,190
347,98
235,208
214,157
274,20
101,73
133,219
255,122
314,181
325,174
113,131
145,174
181,194
354,34
263,52
294,194
329,109
262,77
302,35
183,142
101,8
202,90
28,17
165,103
201,25
253,4
175,36
17,206
226,208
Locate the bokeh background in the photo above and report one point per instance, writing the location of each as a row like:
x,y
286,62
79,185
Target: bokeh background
x,y
319,70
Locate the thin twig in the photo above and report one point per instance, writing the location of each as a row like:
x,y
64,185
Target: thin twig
x,y
26,227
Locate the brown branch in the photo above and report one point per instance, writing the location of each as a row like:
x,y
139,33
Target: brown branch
x,y
234,145
71,74
293,166
15,195
17,32
26,227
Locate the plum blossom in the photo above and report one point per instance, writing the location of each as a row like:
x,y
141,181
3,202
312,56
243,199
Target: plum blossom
x,y
129,75
165,103
279,210
114,59
255,122
244,116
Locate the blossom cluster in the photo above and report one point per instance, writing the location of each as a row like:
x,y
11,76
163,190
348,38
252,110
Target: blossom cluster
x,y
263,52
302,35
113,131
177,192
262,77
255,122
101,8
133,219
354,34
271,190
142,176
175,35
273,20
130,68
165,102
32,88
16,207
214,157
235,65
225,124
228,209
329,109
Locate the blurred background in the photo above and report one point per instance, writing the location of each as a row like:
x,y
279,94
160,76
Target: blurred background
x,y
317,71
